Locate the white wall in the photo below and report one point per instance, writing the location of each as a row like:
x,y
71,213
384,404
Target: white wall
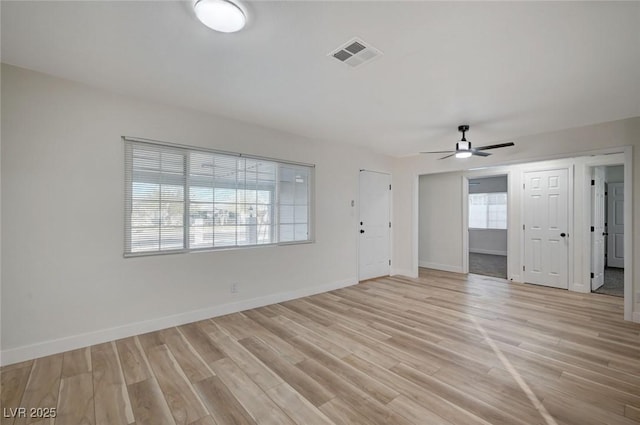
x,y
488,241
614,174
565,143
65,282
440,223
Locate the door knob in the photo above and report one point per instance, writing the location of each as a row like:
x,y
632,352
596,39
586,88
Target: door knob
x,y
361,231
563,234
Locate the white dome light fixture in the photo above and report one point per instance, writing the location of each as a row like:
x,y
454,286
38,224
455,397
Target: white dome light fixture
x,y
220,15
463,149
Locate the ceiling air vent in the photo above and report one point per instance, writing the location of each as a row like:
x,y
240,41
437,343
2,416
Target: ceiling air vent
x,y
355,53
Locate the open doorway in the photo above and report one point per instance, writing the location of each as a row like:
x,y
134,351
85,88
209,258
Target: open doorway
x,y
487,207
607,230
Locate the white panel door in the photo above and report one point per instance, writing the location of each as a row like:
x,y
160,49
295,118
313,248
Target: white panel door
x,y
375,229
597,228
546,206
615,225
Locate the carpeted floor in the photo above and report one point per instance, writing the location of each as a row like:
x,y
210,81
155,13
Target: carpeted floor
x,y
613,282
488,265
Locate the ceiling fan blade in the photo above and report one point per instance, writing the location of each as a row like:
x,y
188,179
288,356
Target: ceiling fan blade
x,y
478,153
448,156
500,145
438,152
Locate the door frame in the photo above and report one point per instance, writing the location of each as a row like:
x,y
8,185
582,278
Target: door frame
x,y
561,165
624,158
594,171
357,221
479,174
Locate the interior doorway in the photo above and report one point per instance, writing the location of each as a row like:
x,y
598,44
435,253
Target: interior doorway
x,y
607,230
488,225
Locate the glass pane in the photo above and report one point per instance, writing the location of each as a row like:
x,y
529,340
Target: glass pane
x,y
144,159
200,194
263,214
145,240
224,236
147,191
301,214
171,238
264,233
172,213
301,186
145,213
172,192
264,197
286,232
247,196
201,164
247,235
201,214
301,232
225,214
286,214
226,195
286,192
201,237
172,162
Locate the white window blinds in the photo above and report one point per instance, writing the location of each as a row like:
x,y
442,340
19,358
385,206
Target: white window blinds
x,y
181,199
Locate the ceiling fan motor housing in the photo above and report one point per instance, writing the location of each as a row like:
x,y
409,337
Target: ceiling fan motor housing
x,y
463,146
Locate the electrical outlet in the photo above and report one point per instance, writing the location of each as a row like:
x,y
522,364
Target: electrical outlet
x,y
233,288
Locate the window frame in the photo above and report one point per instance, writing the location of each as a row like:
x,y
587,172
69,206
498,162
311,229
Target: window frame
x,y
187,182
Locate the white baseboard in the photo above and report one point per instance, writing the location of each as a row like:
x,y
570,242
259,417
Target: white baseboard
x,y
443,267
636,316
516,278
404,272
580,287
488,251
46,348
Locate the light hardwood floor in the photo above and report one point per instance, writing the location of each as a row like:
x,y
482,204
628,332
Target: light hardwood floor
x,y
441,349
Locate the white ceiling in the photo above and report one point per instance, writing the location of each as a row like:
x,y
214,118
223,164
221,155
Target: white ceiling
x,y
508,69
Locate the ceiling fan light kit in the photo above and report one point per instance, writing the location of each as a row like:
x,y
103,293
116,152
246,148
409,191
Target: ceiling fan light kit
x,y
464,149
220,15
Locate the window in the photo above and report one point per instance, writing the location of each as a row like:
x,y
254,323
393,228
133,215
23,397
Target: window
x,y
181,199
488,210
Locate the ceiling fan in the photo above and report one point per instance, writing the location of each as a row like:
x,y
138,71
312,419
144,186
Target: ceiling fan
x,y
464,149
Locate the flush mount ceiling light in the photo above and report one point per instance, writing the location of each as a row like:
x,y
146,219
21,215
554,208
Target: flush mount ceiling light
x,y
220,15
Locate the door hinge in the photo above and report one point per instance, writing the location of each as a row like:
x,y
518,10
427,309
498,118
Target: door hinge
x,y
592,275
389,225
593,182
389,187
522,268
389,262
593,229
523,185
523,227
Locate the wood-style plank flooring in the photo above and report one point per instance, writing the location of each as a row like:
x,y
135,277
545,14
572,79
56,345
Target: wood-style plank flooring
x,y
441,349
